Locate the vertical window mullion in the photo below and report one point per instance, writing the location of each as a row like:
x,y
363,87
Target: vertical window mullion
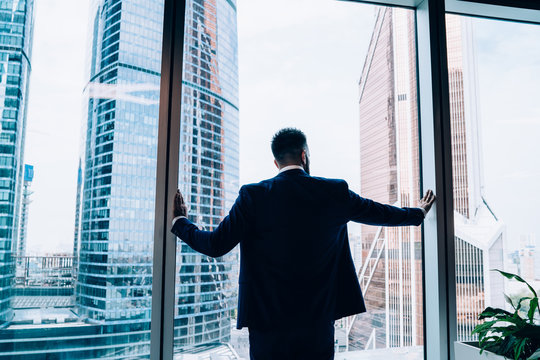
x,y
439,251
163,282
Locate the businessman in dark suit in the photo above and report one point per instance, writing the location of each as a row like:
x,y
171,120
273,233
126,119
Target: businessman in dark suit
x,y
296,271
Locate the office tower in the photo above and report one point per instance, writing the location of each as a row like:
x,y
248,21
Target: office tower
x,y
27,182
389,174
205,293
16,18
115,236
114,276
76,244
390,170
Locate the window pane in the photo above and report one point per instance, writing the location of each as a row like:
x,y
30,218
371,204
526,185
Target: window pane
x,y
389,173
302,68
78,236
205,291
493,72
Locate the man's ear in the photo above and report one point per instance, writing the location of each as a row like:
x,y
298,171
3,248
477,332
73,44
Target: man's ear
x,y
304,156
275,163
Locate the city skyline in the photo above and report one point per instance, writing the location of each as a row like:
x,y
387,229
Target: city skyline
x,y
63,78
17,20
113,222
210,165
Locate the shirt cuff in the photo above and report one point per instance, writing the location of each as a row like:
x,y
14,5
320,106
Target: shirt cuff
x,y
421,209
176,218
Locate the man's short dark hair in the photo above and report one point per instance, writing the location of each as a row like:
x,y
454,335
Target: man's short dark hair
x,y
288,144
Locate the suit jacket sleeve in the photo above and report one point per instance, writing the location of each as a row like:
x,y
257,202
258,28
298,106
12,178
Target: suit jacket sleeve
x,y
370,212
225,237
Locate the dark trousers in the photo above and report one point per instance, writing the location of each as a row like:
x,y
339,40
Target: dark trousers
x,y
294,343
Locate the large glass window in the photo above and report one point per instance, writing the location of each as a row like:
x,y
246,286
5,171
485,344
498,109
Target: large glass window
x,y
77,218
78,183
345,74
205,290
493,72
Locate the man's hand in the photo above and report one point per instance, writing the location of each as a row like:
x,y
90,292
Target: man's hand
x,y
180,208
428,200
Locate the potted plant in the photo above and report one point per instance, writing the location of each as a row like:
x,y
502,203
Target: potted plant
x,y
513,335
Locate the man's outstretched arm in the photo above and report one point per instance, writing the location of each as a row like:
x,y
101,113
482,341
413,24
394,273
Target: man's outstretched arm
x,y
373,213
211,243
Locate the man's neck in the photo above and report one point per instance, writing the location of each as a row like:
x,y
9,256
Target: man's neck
x,y
290,167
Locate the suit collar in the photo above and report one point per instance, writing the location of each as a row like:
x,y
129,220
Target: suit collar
x,y
292,172
291,167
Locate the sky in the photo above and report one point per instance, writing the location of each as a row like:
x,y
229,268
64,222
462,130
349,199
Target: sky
x,y
508,68
299,65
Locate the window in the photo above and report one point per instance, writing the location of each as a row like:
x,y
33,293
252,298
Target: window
x,y
494,120
76,281
88,267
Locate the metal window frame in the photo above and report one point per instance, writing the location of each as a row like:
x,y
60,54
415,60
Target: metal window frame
x,y
436,166
170,109
436,153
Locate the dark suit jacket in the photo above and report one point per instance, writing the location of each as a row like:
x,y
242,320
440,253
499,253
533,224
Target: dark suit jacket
x,y
295,262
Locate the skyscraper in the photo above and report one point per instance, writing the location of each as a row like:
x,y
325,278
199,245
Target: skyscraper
x,y
115,236
390,173
27,182
205,294
17,20
114,275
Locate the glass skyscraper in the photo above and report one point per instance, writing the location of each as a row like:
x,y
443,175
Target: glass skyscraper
x,y
118,167
389,168
208,173
25,205
119,161
16,33
390,172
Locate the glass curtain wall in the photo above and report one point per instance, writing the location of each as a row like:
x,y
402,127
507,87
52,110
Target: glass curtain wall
x,y
85,293
493,69
345,74
16,37
205,290
82,287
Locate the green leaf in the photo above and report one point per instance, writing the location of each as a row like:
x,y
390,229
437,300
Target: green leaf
x,y
533,305
530,331
483,327
489,341
516,277
490,312
506,346
521,300
518,348
508,300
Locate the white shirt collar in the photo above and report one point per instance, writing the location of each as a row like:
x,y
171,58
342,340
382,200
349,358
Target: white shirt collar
x,y
290,167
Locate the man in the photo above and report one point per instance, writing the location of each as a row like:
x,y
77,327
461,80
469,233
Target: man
x,y
296,271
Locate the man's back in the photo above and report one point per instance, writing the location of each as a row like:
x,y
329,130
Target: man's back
x,y
291,252
295,261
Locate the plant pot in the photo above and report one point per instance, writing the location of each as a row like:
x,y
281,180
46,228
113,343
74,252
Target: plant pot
x,y
471,351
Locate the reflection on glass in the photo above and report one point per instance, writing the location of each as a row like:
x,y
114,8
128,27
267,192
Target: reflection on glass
x,y
206,288
96,302
493,167
372,56
15,50
391,276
